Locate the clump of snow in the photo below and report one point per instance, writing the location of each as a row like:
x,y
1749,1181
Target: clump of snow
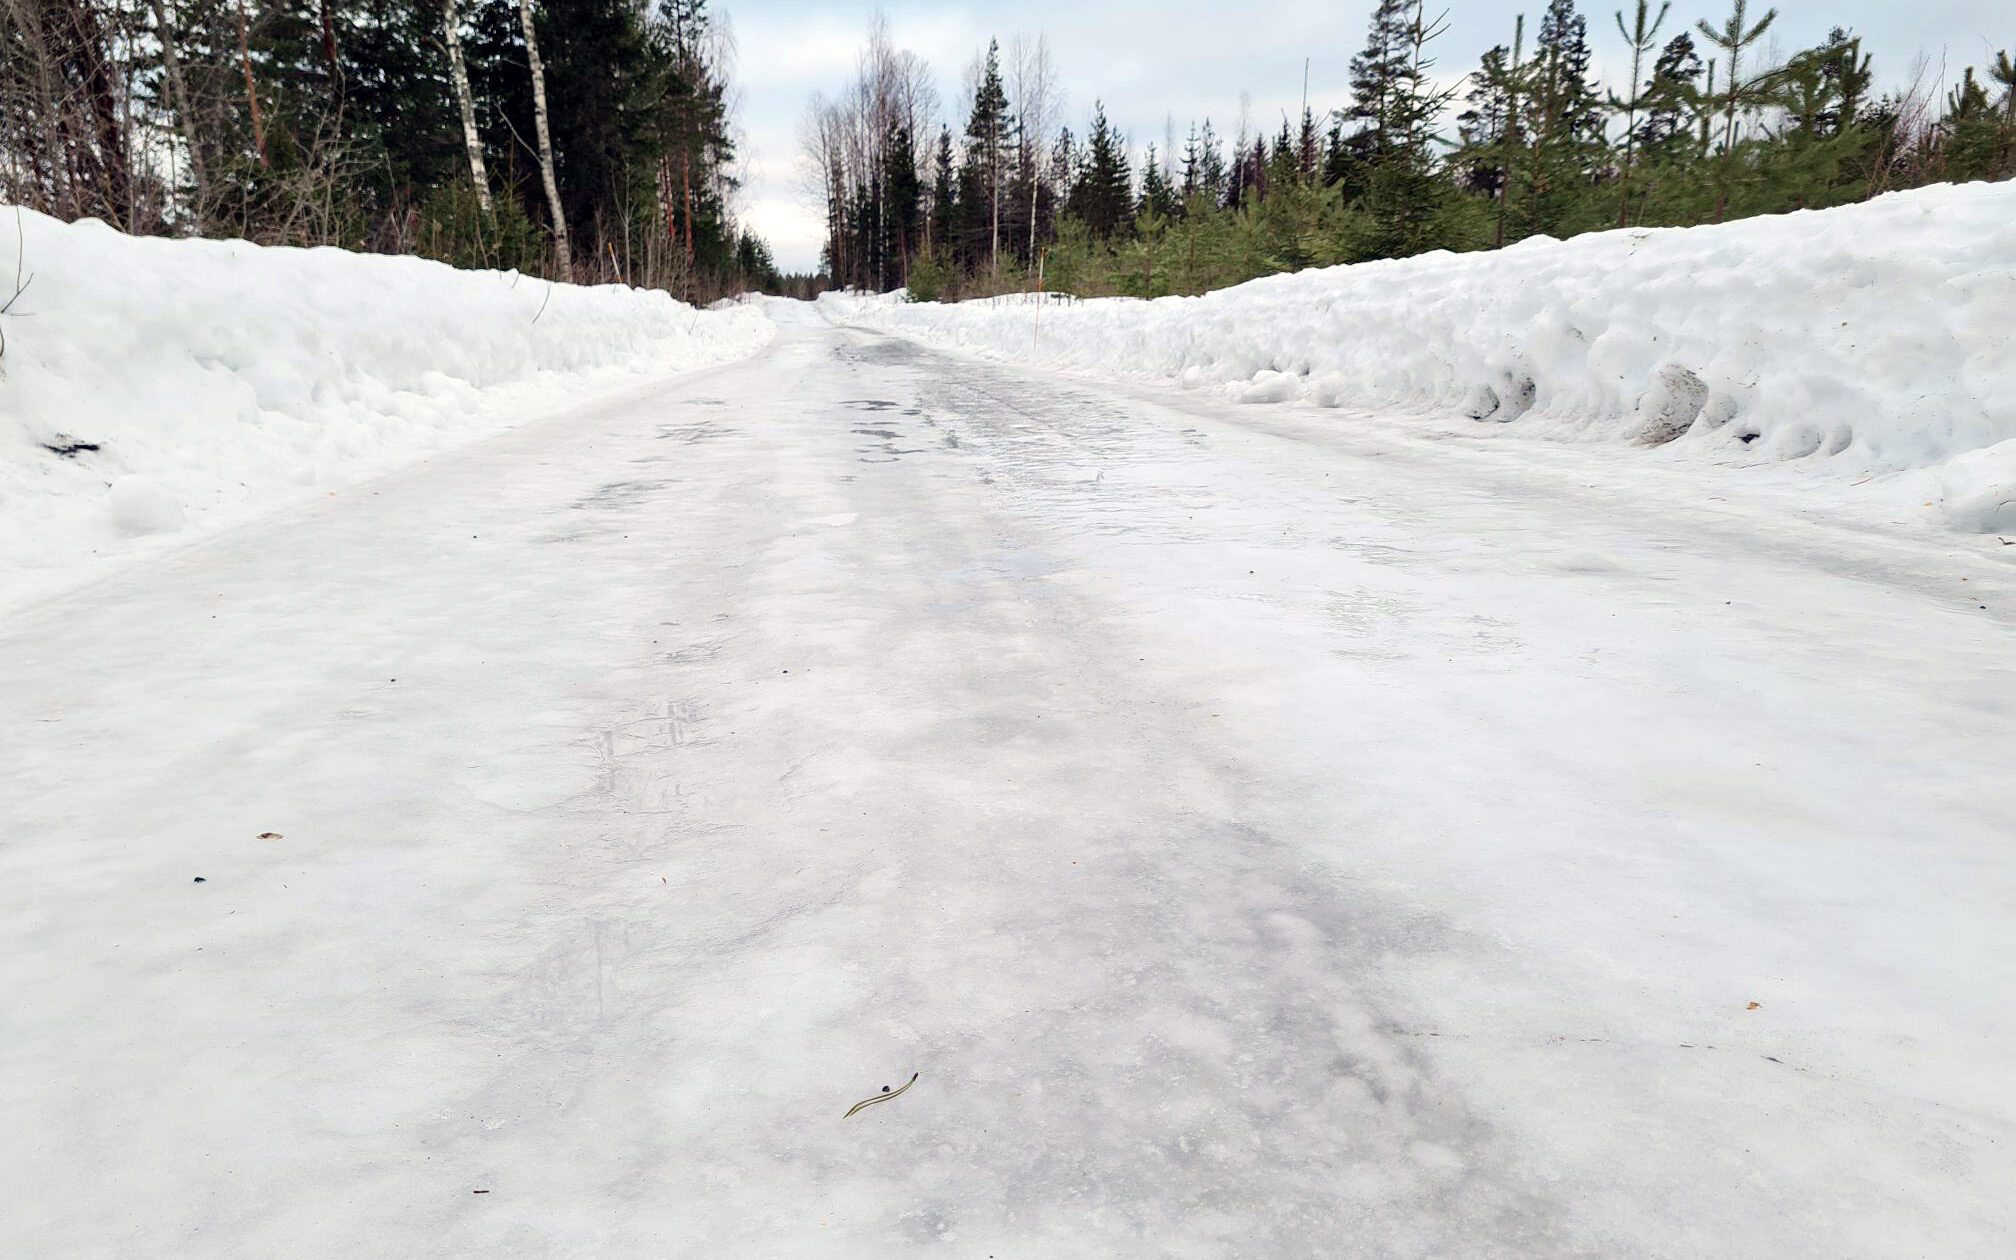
x,y
1870,339
1980,489
140,506
175,387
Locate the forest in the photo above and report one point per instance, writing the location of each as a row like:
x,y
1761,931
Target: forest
x,y
594,140
1707,127
580,139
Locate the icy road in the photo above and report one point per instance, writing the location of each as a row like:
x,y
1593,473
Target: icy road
x,y
1266,832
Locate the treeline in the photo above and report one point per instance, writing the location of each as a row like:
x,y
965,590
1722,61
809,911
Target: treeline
x,y
1529,143
575,138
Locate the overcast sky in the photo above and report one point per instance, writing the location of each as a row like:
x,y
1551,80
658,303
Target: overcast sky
x,y
1187,59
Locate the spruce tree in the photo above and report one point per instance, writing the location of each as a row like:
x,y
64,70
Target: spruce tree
x,y
1490,132
902,216
1564,123
1103,195
1158,199
1376,74
943,197
1403,185
1211,175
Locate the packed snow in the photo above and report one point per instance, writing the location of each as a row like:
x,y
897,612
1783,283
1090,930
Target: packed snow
x,y
153,390
1263,836
1261,830
1863,341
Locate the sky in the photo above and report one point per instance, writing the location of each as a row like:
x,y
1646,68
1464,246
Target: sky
x,y
1151,60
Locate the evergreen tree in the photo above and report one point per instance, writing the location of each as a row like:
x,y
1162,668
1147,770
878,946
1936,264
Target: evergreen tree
x,y
1735,37
987,157
1639,36
1192,173
1666,96
1564,124
1969,139
903,208
1308,148
1284,160
1211,171
1158,199
1403,185
1377,73
942,195
1102,197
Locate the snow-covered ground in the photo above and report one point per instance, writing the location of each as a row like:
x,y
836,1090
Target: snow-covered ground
x,y
1872,340
1267,831
155,390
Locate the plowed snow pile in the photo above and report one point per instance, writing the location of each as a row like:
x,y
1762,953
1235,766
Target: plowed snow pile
x,y
167,387
1870,339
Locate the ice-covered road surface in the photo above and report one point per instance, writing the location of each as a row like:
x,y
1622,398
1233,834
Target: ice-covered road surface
x,y
1268,833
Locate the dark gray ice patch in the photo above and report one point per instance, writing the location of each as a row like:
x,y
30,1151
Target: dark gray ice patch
x,y
885,351
703,432
619,496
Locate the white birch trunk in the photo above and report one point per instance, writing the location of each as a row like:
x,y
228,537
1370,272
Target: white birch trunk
x,y
560,244
459,70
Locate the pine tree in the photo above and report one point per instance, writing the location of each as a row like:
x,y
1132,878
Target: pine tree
x,y
987,157
2003,71
1736,35
1639,36
1968,131
1666,97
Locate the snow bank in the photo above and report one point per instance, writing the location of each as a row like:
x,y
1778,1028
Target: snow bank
x,y
157,387
1867,339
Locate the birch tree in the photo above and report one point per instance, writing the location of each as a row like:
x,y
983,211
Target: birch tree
x,y
1034,76
545,132
458,70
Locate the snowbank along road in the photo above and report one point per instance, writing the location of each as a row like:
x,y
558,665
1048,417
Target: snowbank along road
x,y
1265,832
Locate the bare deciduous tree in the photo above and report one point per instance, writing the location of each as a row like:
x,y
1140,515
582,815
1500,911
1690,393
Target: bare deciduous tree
x,y
1033,85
